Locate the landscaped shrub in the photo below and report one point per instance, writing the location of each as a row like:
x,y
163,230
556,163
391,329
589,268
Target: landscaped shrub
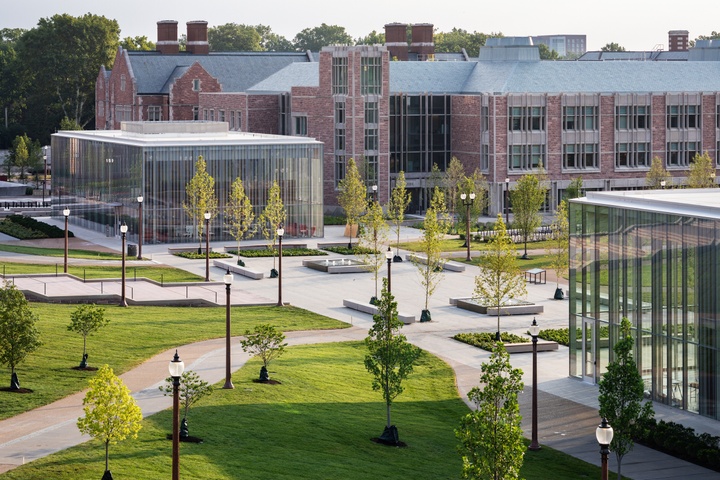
x,y
198,256
287,252
356,250
486,340
334,220
681,442
18,231
28,190
559,335
49,231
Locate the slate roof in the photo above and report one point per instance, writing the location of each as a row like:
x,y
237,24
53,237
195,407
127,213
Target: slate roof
x,y
294,75
236,72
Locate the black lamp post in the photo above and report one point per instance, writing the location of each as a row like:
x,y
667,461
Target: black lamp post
x,y
374,192
280,233
44,173
467,200
140,227
228,279
66,213
604,435
534,330
207,246
123,232
507,201
389,257
176,369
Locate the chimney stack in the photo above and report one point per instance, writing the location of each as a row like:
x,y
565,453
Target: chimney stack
x,y
678,40
396,41
197,37
422,41
167,37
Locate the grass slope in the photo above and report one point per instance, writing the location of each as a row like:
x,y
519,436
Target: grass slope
x,y
158,273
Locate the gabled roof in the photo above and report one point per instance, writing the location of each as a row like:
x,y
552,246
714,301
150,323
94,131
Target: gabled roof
x,y
294,75
236,72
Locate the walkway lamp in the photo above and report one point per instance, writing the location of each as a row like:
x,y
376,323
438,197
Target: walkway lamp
x,y
534,331
507,202
140,227
207,246
467,201
176,369
123,232
280,233
66,213
228,279
389,258
604,436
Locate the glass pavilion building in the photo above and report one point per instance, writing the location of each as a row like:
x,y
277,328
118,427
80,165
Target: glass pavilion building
x,y
654,257
99,176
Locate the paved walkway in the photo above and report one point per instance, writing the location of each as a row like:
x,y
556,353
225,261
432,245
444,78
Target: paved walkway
x,y
567,407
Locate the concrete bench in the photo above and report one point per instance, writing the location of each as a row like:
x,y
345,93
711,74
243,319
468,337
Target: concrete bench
x,y
244,271
447,265
526,347
174,250
372,310
454,300
264,246
466,304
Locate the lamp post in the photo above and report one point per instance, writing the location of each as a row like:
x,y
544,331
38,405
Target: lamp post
x,y
389,257
662,184
66,212
374,192
44,173
280,233
123,232
467,200
109,162
534,330
228,279
604,436
207,246
140,227
507,201
176,369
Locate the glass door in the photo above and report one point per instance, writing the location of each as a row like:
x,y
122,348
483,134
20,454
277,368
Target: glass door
x,y
588,350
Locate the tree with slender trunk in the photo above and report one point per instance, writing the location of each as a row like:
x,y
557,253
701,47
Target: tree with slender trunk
x,y
500,280
87,319
574,189
201,198
701,173
18,335
657,175
491,439
396,208
390,358
373,236
559,248
266,342
431,268
527,198
621,397
352,197
111,414
452,179
272,218
477,184
192,389
239,214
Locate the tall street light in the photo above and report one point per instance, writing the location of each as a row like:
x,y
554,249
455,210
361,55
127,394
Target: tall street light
x,y
228,279
534,330
389,257
207,246
66,213
123,232
45,173
176,369
374,192
140,227
280,233
467,200
507,201
604,436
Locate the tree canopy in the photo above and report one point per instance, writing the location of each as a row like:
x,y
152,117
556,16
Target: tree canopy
x,y
233,37
315,38
457,39
657,175
702,172
18,335
547,53
612,47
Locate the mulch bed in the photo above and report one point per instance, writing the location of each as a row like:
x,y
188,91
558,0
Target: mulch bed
x,y
389,444
18,390
85,369
270,382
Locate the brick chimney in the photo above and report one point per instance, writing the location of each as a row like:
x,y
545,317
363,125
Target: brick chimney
x,y
678,40
197,37
396,40
167,37
422,40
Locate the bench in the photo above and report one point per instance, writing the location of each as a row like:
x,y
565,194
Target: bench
x,y
244,271
536,275
468,304
264,246
372,310
447,265
526,347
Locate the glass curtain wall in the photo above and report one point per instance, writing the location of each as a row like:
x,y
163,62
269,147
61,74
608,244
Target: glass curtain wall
x,y
661,272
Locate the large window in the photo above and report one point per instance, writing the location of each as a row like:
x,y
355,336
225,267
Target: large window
x,y
154,113
632,117
683,116
680,154
583,156
300,127
526,157
580,118
526,119
371,76
340,76
632,155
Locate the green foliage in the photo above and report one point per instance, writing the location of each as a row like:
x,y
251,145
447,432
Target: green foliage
x,y
232,37
356,250
19,336
559,335
271,41
111,414
681,442
87,319
390,358
612,47
373,236
273,217
201,197
158,273
334,220
559,253
546,53
702,172
69,124
18,231
527,198
453,178
372,38
621,395
139,42
287,252
201,256
398,204
239,213
476,184
31,227
314,39
657,174
574,189
435,226
457,39
192,389
486,340
352,194
265,342
491,441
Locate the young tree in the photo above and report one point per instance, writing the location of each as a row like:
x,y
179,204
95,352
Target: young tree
x,y
272,218
476,184
201,198
266,342
434,228
390,357
86,320
373,236
396,207
500,279
657,174
239,214
612,47
574,189
491,440
621,395
111,414
314,39
527,198
702,172
453,178
560,246
18,335
192,389
232,37
20,154
352,196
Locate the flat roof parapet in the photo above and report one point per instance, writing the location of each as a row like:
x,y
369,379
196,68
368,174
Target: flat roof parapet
x,y
195,127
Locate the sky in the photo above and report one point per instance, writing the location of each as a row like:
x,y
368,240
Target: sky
x,y
634,24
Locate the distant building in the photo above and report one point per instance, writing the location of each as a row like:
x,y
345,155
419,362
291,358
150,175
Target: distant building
x,y
564,45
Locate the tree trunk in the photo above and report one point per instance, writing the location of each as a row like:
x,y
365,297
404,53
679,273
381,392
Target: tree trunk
x,y
107,446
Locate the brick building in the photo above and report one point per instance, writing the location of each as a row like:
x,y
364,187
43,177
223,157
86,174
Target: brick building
x,y
503,113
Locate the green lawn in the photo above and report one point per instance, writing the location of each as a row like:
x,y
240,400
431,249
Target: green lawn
x,y
154,272
60,252
133,335
317,424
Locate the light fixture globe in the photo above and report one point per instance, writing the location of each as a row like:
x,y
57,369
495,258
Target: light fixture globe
x,y
463,196
140,199
534,328
472,196
228,278
66,212
280,232
123,228
388,254
604,433
207,215
176,366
